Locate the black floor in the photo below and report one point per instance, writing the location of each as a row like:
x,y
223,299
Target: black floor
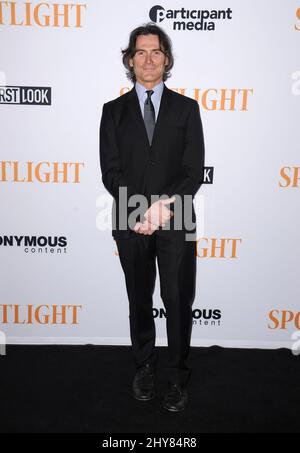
x,y
87,389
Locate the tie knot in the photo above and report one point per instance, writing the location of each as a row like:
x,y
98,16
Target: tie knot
x,y
149,93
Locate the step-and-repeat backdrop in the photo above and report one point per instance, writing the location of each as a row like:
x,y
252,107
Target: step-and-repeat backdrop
x,y
61,280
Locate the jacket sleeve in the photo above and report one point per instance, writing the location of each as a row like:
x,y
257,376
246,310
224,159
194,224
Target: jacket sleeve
x,y
192,173
110,162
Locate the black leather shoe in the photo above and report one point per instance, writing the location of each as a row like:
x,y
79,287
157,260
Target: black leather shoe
x,y
175,398
143,383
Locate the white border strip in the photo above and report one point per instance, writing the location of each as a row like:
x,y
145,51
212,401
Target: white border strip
x,y
104,341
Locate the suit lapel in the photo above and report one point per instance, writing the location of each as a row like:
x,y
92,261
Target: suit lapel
x,y
135,109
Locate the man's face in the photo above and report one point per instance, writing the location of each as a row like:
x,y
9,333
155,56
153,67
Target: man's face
x,y
149,61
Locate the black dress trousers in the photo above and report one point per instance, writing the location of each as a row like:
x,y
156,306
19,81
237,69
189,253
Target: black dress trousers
x,y
176,260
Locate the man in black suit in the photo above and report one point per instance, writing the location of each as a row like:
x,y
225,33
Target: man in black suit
x,y
151,145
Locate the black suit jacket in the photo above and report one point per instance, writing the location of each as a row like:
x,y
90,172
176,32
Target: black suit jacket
x,y
173,164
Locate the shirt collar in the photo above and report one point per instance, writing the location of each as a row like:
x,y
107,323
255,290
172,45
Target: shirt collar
x,y
141,90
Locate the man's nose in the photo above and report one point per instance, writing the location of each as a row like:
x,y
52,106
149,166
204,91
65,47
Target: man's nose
x,y
149,58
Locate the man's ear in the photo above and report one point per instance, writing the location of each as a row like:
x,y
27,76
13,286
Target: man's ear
x,y
131,62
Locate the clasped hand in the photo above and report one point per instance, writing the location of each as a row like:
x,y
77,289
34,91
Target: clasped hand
x,y
157,215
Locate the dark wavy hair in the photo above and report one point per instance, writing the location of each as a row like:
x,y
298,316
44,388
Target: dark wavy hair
x,y
164,42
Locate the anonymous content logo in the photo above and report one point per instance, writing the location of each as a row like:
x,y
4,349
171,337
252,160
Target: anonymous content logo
x,y
36,245
190,19
204,317
19,95
2,343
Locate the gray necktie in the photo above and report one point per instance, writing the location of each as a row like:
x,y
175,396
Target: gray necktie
x,y
149,115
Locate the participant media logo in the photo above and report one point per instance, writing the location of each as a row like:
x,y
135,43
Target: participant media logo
x,y
190,19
